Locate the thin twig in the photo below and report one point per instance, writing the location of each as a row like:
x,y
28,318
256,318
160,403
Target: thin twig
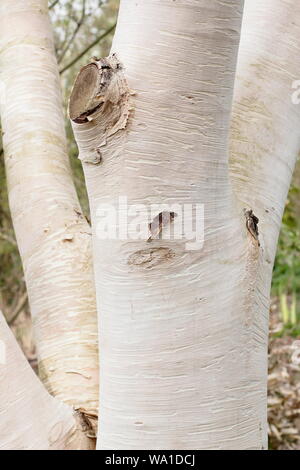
x,y
7,238
79,24
53,4
18,309
59,47
98,39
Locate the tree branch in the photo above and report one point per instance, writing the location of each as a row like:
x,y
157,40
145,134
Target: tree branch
x,y
30,417
98,39
62,303
79,24
8,239
20,305
53,4
265,132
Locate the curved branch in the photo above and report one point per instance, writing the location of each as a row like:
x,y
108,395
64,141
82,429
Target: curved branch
x,y
53,4
30,417
53,235
265,132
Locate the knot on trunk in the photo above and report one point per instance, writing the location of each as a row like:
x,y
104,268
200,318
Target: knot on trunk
x,y
99,105
88,421
252,224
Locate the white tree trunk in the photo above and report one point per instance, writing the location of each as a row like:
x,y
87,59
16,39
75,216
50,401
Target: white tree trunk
x,y
29,417
183,333
265,131
53,236
183,353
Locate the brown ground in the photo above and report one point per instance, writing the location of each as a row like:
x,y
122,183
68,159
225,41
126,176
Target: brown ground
x,y
283,387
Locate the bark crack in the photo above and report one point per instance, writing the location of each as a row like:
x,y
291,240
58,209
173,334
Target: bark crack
x,y
252,224
88,421
150,257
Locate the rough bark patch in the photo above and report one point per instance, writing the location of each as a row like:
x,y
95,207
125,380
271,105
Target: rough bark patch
x,y
150,257
100,100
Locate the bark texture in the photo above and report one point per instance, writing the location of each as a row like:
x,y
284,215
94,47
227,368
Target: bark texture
x,y
265,131
53,236
30,419
183,353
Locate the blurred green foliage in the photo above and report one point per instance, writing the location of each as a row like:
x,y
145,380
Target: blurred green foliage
x,y
286,273
12,284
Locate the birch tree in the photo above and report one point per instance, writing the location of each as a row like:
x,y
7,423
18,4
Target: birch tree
x,y
169,118
53,236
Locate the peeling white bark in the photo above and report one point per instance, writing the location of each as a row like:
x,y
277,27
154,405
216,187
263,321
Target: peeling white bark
x,y
265,130
265,133
53,236
183,334
183,354
29,417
